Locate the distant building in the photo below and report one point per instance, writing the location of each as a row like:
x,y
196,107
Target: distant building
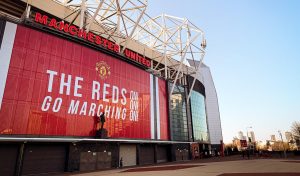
x,y
273,138
241,135
238,143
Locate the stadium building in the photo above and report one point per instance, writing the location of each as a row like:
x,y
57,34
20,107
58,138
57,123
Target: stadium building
x,y
96,84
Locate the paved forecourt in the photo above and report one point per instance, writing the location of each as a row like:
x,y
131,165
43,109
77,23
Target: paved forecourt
x,y
228,168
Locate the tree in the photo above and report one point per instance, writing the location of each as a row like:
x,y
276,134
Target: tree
x,y
295,129
296,132
268,144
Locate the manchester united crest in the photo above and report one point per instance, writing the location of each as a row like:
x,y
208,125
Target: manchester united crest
x,y
103,69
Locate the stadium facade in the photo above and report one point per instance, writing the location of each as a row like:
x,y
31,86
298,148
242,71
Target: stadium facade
x,y
76,99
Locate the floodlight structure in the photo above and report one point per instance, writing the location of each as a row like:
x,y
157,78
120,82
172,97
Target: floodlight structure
x,y
177,40
115,19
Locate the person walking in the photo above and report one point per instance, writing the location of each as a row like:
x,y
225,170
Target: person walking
x,y
121,162
243,153
248,153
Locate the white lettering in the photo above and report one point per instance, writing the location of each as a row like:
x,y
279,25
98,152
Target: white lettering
x,y
134,95
112,112
96,90
107,111
100,107
77,86
83,109
73,108
118,112
51,77
46,103
105,92
124,114
57,104
92,109
133,116
65,84
123,92
115,94
134,105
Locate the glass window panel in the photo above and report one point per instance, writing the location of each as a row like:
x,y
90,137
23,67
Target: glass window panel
x,y
199,117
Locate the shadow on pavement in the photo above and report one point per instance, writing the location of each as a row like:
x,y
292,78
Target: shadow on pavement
x,y
161,168
261,174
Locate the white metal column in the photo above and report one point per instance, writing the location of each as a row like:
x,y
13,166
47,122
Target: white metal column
x,y
5,54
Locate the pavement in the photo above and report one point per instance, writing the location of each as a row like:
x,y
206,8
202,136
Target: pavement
x,y
236,167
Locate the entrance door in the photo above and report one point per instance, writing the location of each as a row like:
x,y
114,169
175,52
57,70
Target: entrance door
x,y
128,154
182,155
103,160
162,154
90,161
146,154
44,158
8,158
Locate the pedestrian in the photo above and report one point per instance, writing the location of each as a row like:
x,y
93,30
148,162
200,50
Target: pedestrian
x,y
121,162
260,153
248,154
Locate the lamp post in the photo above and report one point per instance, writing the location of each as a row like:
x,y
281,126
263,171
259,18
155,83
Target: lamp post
x,y
247,132
248,144
284,152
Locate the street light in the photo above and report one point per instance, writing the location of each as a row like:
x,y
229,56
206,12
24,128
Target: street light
x,y
248,144
247,132
284,152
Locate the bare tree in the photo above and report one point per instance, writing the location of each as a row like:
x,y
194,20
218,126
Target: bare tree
x,y
295,129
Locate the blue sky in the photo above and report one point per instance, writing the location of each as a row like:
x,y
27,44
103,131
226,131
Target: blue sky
x,y
253,52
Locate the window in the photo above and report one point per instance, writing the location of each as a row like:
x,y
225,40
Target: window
x,y
178,115
199,117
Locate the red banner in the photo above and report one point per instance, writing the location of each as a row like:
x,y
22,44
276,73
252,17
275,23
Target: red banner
x,y
55,87
163,109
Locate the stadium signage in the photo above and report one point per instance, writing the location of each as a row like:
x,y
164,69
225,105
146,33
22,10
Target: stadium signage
x,y
89,37
106,98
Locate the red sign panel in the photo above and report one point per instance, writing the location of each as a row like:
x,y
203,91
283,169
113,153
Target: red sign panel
x,y
163,109
89,37
55,87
